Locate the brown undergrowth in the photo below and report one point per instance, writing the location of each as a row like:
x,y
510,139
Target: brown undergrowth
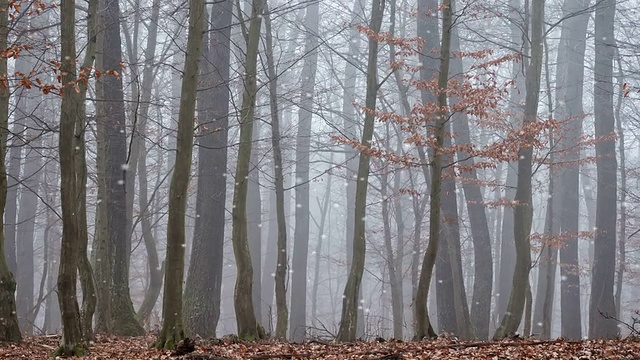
x,y
138,348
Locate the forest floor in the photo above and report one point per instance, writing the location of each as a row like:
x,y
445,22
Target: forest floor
x,y
106,348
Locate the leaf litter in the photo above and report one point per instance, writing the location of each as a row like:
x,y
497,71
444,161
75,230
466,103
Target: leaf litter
x,y
141,348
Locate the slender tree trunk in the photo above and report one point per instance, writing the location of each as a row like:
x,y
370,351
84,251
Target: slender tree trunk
x,y
204,279
569,94
248,327
9,329
483,263
71,342
423,324
282,261
303,141
604,262
123,316
350,303
523,208
254,220
622,237
172,326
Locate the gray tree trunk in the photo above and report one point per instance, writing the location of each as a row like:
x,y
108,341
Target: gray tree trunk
x,y
603,272
483,263
123,315
350,303
423,323
281,264
204,279
9,329
569,94
172,326
300,254
71,342
248,327
523,208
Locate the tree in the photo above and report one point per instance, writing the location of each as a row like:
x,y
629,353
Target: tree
x,y
9,329
123,315
350,303
602,304
172,326
248,327
281,265
523,210
569,94
204,279
303,141
423,324
71,342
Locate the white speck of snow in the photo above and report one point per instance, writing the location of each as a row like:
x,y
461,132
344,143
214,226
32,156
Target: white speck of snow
x,y
125,167
298,206
120,182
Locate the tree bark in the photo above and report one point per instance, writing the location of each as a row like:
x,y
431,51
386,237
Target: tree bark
x,y
423,324
350,303
300,254
603,272
71,342
282,261
9,329
123,317
523,208
483,263
204,278
172,326
248,327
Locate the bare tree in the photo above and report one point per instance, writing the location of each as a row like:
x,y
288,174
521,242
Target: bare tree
x,y
523,210
172,326
71,342
602,305
204,279
248,327
423,324
281,265
9,330
303,142
350,303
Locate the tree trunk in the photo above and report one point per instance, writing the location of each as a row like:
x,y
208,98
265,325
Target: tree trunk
x,y
604,261
282,261
423,324
622,237
204,278
523,208
123,316
248,327
350,126
483,263
87,281
71,342
172,326
9,329
350,303
303,141
254,220
569,94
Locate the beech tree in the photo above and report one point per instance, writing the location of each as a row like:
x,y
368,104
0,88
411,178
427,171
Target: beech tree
x,y
204,279
602,305
72,342
9,329
350,303
523,210
248,327
172,326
